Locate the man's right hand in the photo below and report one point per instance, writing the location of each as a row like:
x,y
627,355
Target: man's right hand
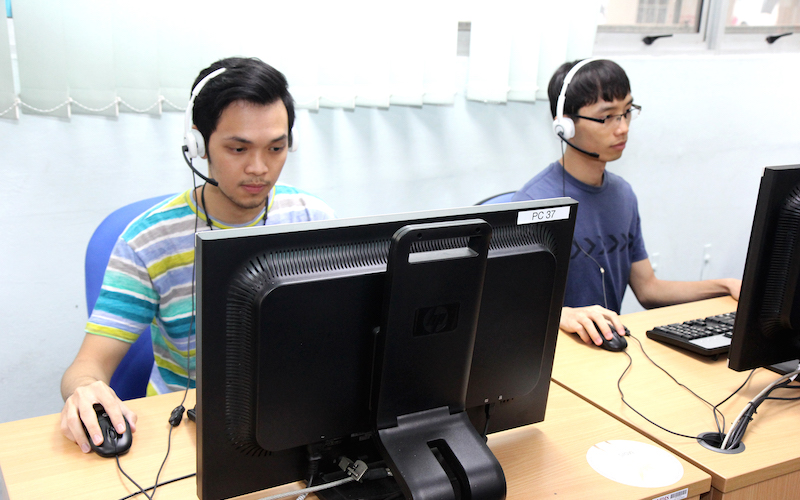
x,y
79,411
585,322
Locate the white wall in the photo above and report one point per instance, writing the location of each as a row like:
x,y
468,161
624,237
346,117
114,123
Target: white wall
x,y
709,126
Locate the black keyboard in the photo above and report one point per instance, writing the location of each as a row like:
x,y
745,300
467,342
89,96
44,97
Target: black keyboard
x,y
709,336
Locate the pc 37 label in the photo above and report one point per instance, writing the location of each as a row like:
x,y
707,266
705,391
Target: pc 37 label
x,y
542,215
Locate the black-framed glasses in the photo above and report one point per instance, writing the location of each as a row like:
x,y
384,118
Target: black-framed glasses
x,y
613,120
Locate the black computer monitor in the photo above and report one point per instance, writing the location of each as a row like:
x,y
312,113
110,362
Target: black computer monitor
x,y
343,338
767,327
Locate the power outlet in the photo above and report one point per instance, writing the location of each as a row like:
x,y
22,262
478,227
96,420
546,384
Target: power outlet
x,y
706,259
706,253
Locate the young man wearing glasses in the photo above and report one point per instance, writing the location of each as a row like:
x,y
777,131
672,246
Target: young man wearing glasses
x,y
592,105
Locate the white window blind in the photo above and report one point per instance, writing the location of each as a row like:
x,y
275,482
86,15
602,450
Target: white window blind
x,y
515,45
106,56
7,94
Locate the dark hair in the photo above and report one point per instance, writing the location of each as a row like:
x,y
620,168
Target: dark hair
x,y
245,79
602,79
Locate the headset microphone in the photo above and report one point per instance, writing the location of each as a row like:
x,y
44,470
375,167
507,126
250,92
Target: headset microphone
x,y
197,172
194,146
593,155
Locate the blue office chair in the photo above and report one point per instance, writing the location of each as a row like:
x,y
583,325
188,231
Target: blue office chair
x,y
131,376
498,198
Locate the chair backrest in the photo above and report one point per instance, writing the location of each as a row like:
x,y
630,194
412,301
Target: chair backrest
x,y
130,378
498,198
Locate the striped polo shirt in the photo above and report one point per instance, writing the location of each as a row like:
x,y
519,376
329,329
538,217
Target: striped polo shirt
x,y
149,278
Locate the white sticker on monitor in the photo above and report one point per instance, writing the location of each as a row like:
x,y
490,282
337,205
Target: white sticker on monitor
x,y
542,215
635,464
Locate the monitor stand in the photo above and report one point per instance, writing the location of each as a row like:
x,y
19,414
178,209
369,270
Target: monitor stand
x,y
785,367
422,360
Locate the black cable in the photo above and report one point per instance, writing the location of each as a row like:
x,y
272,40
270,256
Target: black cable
x,y
158,474
487,411
775,398
170,481
622,395
208,215
749,376
177,413
714,409
205,210
736,432
141,491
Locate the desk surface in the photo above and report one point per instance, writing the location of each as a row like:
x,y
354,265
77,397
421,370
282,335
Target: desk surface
x,y
545,460
772,441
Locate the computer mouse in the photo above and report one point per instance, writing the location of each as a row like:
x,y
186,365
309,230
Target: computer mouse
x,y
617,343
114,444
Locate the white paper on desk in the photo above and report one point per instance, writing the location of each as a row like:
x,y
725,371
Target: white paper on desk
x,y
634,463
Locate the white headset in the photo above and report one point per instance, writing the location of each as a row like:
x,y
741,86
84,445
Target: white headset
x,y
192,138
564,127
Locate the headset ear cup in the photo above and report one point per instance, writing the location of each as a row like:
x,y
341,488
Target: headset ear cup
x,y
564,127
195,144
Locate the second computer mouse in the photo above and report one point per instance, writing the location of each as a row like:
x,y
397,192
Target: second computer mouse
x,y
114,444
617,343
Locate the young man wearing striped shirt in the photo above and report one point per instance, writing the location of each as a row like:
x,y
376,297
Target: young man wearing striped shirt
x,y
244,114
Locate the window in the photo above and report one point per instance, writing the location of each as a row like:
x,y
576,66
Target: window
x,y
726,25
649,16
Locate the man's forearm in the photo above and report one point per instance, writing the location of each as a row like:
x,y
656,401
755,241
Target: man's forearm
x,y
666,293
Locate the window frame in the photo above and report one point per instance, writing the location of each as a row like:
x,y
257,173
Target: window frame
x,y
713,35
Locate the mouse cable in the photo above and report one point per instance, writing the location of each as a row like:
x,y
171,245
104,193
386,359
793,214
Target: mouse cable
x,y
158,474
169,481
714,407
156,484
622,396
141,491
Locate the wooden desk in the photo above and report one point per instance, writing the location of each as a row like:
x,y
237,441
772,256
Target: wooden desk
x,y
541,461
769,468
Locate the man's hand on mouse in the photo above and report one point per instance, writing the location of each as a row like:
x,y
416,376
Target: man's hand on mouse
x,y
585,322
79,411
